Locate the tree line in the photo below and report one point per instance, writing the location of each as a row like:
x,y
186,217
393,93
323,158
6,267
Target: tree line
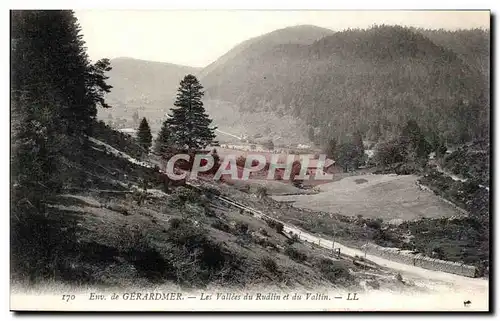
x,y
410,147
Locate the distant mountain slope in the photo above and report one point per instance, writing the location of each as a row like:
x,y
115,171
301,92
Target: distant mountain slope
x,y
372,80
302,34
134,79
150,88
329,83
146,87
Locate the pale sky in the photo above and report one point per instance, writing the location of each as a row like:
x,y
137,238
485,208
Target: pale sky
x,y
197,38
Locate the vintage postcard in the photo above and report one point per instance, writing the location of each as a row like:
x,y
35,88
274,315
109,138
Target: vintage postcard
x,y
250,160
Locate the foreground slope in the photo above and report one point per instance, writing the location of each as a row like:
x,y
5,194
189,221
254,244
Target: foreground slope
x,y
126,229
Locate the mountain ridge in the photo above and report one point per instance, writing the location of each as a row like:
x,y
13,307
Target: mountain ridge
x,y
318,75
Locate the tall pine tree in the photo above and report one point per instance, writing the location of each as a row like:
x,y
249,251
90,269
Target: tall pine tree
x,y
144,135
49,55
188,123
54,93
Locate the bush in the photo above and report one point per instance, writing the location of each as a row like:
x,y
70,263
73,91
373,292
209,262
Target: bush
x,y
261,191
218,224
388,153
183,195
245,188
175,222
241,227
294,238
374,223
278,226
263,231
269,264
295,254
333,270
264,242
196,258
116,139
240,161
211,191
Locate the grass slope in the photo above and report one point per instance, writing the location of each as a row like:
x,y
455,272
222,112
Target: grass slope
x,y
375,196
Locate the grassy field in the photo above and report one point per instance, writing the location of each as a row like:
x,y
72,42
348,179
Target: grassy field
x,y
374,196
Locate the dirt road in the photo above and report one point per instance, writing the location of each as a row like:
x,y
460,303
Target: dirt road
x,y
445,291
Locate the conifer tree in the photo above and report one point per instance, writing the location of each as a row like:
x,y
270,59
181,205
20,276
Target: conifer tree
x,y
358,141
163,142
49,55
188,123
144,134
359,149
331,148
55,91
413,138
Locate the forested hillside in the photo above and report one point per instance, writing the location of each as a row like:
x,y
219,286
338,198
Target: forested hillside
x,y
373,80
252,48
333,83
472,46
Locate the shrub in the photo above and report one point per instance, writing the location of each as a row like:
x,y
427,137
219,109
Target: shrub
x,y
241,227
183,195
269,264
333,270
374,223
295,254
195,210
220,225
278,226
175,222
294,238
117,208
261,191
263,232
388,153
240,161
245,188
374,284
264,242
195,257
211,191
